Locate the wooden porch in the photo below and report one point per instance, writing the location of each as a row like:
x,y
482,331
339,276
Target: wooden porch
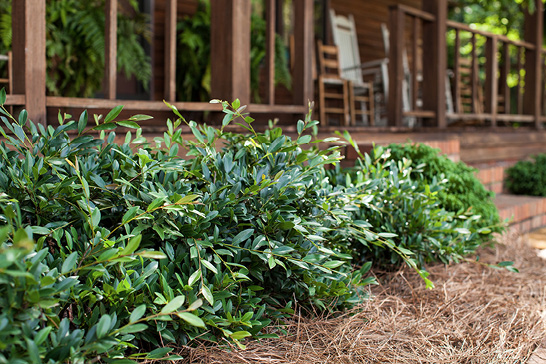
x,y
418,32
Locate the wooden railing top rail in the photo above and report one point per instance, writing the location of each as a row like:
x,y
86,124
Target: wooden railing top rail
x,y
416,12
500,37
90,103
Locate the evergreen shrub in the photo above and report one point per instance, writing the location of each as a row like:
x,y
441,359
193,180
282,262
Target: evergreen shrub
x,y
118,252
528,177
462,193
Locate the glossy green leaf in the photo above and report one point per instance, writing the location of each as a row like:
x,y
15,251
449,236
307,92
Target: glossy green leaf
x,y
191,319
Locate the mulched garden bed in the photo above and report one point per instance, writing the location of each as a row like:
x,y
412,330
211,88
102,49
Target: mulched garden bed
x,y
476,314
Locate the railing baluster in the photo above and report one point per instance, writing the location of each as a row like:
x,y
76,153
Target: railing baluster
x,y
396,67
270,51
504,77
170,51
457,76
491,81
415,68
475,75
110,49
303,52
520,52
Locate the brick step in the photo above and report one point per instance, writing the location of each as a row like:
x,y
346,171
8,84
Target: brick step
x,y
525,213
492,177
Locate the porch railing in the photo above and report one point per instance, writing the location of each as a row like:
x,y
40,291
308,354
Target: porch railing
x,y
230,60
447,82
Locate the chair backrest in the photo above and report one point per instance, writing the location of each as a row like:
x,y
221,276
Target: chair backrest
x,y
328,61
469,79
344,33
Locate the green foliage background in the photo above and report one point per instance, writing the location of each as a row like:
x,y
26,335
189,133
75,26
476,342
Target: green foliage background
x,y
75,45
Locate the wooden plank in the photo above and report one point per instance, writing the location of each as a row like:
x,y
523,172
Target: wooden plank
x,y
303,52
435,60
476,107
491,81
29,71
504,77
482,116
396,67
534,24
457,65
170,51
230,50
110,48
415,63
270,9
88,103
467,28
282,109
15,100
414,12
420,114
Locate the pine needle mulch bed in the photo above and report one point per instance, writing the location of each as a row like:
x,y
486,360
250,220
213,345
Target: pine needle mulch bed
x,y
475,314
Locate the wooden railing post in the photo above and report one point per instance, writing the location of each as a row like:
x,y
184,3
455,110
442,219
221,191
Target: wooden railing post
x,y
230,50
29,56
110,48
270,9
491,81
435,60
303,52
533,66
396,67
170,51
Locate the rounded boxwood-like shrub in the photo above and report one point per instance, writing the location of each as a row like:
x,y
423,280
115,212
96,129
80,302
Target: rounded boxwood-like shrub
x,y
528,177
463,190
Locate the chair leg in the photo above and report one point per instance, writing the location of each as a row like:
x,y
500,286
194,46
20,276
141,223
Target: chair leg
x,y
351,103
322,101
372,104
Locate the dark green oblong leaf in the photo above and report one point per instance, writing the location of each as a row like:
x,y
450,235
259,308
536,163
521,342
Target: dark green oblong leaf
x,y
113,114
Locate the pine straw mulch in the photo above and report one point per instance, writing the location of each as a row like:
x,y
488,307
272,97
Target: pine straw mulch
x,y
475,314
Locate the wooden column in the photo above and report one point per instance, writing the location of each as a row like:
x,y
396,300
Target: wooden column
x,y
29,66
303,52
491,81
435,60
170,51
534,24
396,67
230,50
110,48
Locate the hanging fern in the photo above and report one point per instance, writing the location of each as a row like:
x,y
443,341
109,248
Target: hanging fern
x,y
75,45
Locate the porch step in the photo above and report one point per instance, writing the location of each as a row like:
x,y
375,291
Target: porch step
x,y
525,213
492,177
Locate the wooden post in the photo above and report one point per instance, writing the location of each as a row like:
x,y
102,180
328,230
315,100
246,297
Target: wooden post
x,y
303,52
491,81
435,60
110,48
170,51
230,50
270,10
396,67
457,77
534,24
29,68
